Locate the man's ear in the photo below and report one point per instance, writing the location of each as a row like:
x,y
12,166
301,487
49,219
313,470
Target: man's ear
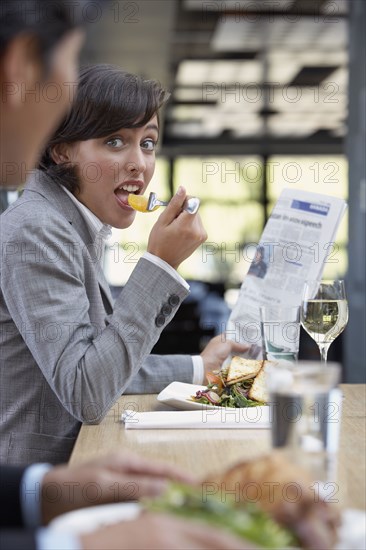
x,y
61,153
21,69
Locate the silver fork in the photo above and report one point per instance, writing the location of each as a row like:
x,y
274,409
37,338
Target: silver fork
x,y
190,205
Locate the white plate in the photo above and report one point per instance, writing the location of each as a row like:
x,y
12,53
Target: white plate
x,y
352,533
86,520
179,395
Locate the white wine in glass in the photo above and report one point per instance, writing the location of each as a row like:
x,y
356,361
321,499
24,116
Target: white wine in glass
x,y
324,312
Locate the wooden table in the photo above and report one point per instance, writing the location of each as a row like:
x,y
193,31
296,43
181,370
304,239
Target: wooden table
x,y
208,451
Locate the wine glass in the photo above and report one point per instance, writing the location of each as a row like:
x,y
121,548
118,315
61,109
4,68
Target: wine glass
x,y
324,312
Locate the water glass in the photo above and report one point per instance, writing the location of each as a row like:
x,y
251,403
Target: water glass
x,y
280,329
305,408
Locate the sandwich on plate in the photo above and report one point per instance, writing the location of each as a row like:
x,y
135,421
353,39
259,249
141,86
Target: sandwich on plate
x,y
241,384
269,502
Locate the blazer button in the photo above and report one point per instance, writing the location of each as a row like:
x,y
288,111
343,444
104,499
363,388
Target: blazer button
x,y
160,320
173,300
166,310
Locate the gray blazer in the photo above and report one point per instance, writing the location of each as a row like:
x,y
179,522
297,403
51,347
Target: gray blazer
x,y
67,352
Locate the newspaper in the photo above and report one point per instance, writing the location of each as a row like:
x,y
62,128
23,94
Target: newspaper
x,y
297,240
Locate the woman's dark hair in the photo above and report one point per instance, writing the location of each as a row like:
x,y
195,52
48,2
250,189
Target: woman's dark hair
x,y
107,100
47,21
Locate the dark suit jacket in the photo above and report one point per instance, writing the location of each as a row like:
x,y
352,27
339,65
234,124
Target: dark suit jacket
x,y
13,536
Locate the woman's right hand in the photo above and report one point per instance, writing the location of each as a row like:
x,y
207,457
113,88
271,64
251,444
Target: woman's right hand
x,y
176,234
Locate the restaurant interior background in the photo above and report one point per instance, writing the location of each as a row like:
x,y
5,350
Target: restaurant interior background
x,y
266,94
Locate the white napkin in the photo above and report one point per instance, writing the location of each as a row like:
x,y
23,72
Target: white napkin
x,y
252,417
334,415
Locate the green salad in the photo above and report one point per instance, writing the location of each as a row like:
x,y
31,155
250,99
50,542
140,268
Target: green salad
x,y
219,394
247,520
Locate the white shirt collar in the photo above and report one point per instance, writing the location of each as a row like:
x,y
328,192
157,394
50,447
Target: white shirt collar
x,y
96,227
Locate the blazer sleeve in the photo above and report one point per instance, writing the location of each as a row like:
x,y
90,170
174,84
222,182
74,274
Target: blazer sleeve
x,y
87,360
17,539
10,480
160,370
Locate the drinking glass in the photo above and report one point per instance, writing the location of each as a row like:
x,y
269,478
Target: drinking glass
x,y
324,312
280,329
305,413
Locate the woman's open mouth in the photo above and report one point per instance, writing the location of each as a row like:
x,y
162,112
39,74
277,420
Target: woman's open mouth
x,y
122,192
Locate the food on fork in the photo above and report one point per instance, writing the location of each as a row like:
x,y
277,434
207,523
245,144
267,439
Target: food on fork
x,y
140,203
143,204
241,384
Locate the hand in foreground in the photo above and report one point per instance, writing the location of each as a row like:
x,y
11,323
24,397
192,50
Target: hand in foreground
x,y
112,478
218,349
163,532
286,492
176,234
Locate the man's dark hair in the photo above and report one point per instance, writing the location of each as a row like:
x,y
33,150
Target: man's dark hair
x,y
107,100
47,20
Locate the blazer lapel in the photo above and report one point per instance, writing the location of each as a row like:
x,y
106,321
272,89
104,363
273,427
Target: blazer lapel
x,y
42,184
103,284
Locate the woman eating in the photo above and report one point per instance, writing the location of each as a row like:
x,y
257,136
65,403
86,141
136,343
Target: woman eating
x,y
68,352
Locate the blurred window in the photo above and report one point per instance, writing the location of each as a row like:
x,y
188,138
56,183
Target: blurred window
x,y
234,206
230,189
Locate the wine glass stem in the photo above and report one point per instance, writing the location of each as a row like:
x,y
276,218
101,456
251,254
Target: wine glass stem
x,y
324,353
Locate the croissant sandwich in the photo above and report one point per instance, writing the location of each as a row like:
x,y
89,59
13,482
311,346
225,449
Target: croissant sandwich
x,y
269,502
241,384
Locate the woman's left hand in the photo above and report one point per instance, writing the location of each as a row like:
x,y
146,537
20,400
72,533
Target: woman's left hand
x,y
218,349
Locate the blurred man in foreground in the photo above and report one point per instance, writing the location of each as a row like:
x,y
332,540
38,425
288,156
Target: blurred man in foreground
x,y
39,47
